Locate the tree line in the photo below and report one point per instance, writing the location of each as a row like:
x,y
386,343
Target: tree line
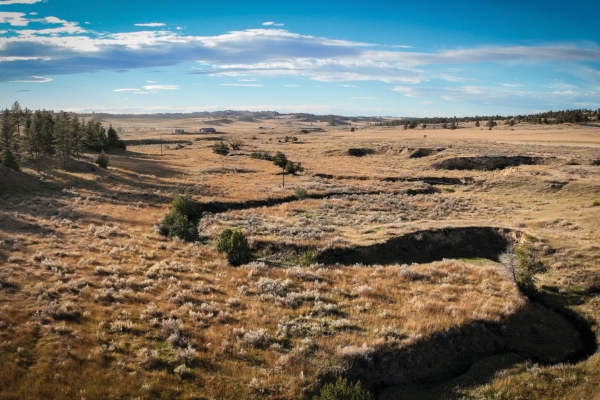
x,y
34,138
549,117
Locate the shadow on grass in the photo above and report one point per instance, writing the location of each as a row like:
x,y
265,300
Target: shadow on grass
x,y
427,246
440,365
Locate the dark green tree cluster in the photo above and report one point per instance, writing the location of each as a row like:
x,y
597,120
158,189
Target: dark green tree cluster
x,y
34,137
182,219
235,244
549,117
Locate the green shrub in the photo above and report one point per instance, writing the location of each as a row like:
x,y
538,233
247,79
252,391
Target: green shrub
x,y
223,241
528,265
220,148
235,244
180,220
102,160
308,258
301,193
261,155
596,203
343,390
185,205
179,225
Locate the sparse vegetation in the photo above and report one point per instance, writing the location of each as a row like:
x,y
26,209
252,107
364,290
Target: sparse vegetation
x,y
95,293
220,148
343,390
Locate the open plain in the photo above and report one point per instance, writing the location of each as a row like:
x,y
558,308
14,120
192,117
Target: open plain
x,y
383,267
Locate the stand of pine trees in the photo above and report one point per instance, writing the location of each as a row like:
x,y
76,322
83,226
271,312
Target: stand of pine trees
x,y
35,138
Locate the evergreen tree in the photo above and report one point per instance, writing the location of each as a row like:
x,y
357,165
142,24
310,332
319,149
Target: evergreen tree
x,y
63,137
281,161
94,137
113,139
32,140
77,132
18,116
46,125
8,142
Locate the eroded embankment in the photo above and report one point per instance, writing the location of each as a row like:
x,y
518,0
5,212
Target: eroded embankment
x,y
535,332
532,333
223,206
487,163
427,246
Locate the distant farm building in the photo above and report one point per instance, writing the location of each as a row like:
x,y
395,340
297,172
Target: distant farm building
x,y
208,130
177,130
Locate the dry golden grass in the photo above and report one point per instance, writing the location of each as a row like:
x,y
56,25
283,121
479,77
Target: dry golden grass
x,y
94,304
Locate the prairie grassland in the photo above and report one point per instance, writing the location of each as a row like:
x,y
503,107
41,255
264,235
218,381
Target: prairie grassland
x,y
95,304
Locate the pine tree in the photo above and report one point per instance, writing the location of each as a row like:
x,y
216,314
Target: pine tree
x,y
8,142
63,138
95,136
113,139
17,115
46,126
77,132
32,140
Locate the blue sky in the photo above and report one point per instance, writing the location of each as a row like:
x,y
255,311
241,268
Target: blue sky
x,y
423,58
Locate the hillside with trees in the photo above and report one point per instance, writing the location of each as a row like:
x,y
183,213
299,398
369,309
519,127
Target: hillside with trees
x,y
44,138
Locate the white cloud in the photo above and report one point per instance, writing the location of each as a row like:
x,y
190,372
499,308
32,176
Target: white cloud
x,y
161,87
501,96
13,18
34,79
246,55
271,23
241,84
7,2
151,24
127,90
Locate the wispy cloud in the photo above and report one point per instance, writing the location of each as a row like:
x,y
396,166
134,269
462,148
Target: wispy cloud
x,y
127,90
161,87
271,23
151,24
7,2
502,95
291,85
241,84
33,79
346,85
